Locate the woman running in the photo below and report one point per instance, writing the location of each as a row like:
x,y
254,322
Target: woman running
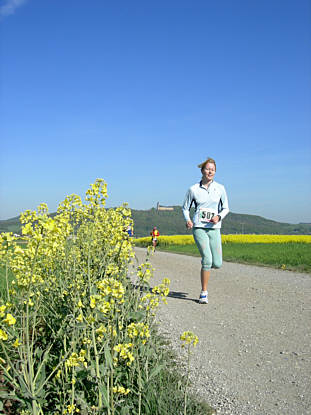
x,y
211,206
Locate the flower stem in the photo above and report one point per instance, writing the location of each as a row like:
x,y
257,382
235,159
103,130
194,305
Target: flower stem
x,y
187,380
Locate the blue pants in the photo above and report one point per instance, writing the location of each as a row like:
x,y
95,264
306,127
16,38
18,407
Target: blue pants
x,y
209,244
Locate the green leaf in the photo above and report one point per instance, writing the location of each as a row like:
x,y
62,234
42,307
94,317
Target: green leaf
x,y
125,410
38,352
41,376
9,395
103,369
136,316
147,407
155,371
92,369
150,353
108,358
82,373
6,395
104,392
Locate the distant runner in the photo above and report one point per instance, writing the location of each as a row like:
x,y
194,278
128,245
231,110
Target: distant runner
x,y
211,206
154,237
130,231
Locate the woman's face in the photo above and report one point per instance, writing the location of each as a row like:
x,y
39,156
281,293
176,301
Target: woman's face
x,y
209,171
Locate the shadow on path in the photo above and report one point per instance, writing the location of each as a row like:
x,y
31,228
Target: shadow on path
x,y
181,296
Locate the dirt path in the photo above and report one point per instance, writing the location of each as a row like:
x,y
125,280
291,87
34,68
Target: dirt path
x,y
254,351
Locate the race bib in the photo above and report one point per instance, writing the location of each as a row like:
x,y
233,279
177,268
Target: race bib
x,y
205,214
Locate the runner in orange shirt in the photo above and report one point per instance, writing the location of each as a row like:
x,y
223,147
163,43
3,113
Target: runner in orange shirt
x,y
154,237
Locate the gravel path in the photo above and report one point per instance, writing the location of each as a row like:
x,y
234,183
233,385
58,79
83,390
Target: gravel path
x,y
254,351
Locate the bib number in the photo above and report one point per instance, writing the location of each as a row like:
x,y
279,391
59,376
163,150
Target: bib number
x,y
205,215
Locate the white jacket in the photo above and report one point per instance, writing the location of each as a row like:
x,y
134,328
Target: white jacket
x,y
207,202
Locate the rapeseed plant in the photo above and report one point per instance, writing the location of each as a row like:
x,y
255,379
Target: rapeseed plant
x,y
138,330
74,334
189,339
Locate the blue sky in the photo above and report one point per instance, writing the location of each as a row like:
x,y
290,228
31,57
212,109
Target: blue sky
x,y
139,93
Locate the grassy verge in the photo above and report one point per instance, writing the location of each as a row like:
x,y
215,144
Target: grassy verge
x,y
167,393
289,256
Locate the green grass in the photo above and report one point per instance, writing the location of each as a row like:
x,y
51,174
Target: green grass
x,y
295,256
166,394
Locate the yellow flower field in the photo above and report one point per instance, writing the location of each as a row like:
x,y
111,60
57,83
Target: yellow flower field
x,y
188,239
266,239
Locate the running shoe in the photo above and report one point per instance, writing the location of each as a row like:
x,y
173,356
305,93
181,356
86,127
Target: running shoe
x,y
203,298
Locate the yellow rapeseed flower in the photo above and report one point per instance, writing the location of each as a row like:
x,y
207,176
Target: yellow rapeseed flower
x,y
105,306
145,272
50,225
121,390
3,335
71,409
2,310
16,343
188,337
111,287
9,320
124,351
80,318
27,229
18,250
92,301
76,359
149,302
162,289
101,330
140,330
90,319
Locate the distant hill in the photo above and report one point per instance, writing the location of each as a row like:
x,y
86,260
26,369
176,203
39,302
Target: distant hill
x,y
172,223
10,225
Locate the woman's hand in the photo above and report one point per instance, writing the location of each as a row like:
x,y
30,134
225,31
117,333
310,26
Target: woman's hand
x,y
189,224
215,219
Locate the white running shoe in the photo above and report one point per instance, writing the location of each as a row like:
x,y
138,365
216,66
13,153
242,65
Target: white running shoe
x,y
203,298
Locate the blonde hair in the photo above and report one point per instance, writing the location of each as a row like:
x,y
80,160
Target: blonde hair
x,y
209,160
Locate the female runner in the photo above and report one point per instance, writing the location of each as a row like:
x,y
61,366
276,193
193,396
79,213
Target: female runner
x,y
211,206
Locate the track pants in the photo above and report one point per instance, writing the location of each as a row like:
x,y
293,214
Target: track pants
x,y
209,244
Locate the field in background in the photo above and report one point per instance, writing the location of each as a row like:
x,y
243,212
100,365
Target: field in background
x,y
173,223
290,252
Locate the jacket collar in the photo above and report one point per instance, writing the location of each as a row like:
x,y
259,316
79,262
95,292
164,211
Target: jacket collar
x,y
201,185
